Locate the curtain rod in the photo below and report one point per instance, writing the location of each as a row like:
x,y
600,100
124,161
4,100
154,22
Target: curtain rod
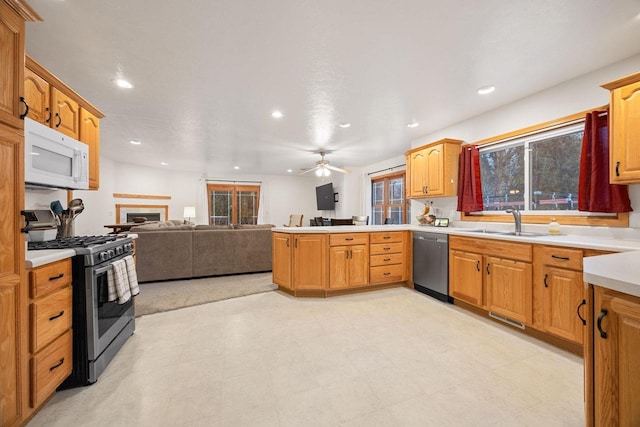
x,y
387,169
231,180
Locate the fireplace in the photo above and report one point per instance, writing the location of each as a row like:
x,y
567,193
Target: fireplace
x,y
151,216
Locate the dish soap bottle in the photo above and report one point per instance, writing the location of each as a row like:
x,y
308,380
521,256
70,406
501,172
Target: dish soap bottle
x,y
554,227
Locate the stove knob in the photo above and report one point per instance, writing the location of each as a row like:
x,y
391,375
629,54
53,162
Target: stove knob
x,y
128,246
119,250
111,253
103,256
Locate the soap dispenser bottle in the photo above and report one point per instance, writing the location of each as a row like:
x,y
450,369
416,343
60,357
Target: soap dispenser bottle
x,y
554,227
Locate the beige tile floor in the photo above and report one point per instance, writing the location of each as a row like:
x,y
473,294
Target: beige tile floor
x,y
387,358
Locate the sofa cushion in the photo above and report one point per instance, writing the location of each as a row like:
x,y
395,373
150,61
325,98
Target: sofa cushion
x,y
253,226
162,256
213,227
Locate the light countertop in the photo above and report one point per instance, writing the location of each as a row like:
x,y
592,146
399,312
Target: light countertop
x,y
620,272
576,241
47,256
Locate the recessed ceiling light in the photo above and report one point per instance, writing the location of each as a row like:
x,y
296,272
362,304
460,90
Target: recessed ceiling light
x,y
123,83
344,125
164,163
413,124
236,167
134,142
485,90
289,170
277,114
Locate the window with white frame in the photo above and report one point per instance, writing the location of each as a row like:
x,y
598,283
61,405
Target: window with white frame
x,y
536,174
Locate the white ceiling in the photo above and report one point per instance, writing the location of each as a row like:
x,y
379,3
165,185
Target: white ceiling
x,y
208,73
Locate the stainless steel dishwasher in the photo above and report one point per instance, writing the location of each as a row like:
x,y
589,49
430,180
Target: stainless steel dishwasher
x,y
431,264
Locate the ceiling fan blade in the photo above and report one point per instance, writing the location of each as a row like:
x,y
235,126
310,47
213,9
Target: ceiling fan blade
x,y
308,170
333,168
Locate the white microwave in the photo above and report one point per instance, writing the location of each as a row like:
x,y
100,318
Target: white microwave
x,y
54,160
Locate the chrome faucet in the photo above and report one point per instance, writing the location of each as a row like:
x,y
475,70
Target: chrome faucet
x,y
517,218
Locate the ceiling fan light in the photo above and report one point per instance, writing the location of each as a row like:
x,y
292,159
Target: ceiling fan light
x,y
319,172
326,172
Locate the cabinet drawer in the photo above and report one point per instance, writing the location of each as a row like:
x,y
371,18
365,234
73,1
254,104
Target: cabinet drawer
x,y
386,274
386,237
491,247
386,248
563,257
386,259
348,239
50,317
50,277
50,367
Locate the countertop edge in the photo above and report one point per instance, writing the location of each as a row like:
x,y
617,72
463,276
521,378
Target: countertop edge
x,y
42,257
619,272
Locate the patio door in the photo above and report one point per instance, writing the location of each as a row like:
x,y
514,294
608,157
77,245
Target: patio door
x,y
233,204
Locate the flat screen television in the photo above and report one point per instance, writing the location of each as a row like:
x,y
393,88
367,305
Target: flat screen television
x,y
324,197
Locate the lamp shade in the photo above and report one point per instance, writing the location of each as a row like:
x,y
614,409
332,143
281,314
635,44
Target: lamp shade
x,y
189,212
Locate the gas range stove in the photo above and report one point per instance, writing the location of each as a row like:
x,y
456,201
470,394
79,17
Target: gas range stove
x,y
94,250
71,242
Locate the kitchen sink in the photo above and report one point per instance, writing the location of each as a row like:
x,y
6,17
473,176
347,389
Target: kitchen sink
x,y
506,233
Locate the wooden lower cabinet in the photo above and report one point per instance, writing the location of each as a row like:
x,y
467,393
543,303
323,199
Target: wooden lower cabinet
x,y
613,372
50,329
282,259
563,296
492,274
309,261
509,288
466,277
319,264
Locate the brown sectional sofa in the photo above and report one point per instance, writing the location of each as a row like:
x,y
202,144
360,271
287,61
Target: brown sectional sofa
x,y
172,250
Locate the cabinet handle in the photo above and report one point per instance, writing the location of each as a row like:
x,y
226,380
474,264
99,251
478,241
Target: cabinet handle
x,y
617,168
387,259
386,237
478,265
57,365
603,313
48,119
426,189
287,242
59,276
561,258
584,321
546,276
488,271
350,254
386,273
26,108
348,238
56,316
295,243
386,249
59,120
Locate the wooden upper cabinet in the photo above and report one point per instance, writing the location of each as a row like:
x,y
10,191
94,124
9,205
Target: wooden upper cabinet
x,y
432,170
54,104
37,95
11,66
90,135
65,114
624,125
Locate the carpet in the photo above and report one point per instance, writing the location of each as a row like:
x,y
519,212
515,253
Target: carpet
x,y
156,297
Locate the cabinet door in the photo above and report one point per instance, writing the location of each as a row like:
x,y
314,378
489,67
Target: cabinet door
x,y
509,288
310,261
563,294
339,267
11,66
359,265
616,362
36,94
282,254
625,138
90,135
12,286
418,173
434,184
66,114
465,277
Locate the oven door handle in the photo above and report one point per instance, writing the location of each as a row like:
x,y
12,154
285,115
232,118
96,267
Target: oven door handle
x,y
101,270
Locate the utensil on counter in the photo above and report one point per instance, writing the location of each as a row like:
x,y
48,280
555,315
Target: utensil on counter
x,y
56,207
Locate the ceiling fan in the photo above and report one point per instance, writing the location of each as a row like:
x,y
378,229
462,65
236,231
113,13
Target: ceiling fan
x,y
323,168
